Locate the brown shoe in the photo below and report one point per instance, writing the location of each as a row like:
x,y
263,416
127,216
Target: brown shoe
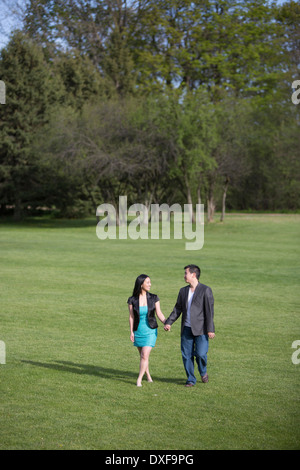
x,y
189,384
204,379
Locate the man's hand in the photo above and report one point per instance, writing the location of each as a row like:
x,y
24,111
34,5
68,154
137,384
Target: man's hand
x,y
167,327
211,335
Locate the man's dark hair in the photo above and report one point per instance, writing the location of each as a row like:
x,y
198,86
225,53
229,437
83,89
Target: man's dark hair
x,y
194,269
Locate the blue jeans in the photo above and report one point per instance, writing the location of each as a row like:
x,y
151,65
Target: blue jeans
x,y
193,346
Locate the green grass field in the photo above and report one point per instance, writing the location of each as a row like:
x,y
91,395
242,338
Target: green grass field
x,y
70,373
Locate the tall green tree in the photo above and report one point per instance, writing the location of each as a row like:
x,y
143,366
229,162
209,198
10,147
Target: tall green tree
x,y
234,130
230,46
96,30
118,66
80,79
187,123
111,147
272,182
31,90
288,17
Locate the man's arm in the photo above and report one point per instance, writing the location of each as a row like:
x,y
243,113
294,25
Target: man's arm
x,y
176,312
209,312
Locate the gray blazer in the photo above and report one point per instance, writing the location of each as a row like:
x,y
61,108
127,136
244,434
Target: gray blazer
x,y
202,310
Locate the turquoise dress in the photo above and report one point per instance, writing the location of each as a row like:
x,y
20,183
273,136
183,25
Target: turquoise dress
x,y
144,335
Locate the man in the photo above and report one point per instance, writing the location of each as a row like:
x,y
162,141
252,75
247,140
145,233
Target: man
x,y
196,303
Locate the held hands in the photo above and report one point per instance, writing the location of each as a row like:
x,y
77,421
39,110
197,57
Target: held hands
x,y
167,327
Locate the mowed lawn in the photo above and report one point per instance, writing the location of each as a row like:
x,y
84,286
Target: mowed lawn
x,y
70,373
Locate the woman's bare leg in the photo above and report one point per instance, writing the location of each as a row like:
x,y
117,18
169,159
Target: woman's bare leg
x,y
144,364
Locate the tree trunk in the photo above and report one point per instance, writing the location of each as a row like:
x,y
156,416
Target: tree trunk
x,y
210,209
198,212
210,203
199,194
116,206
189,199
18,210
190,203
148,201
224,199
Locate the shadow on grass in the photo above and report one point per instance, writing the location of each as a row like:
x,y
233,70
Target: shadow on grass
x,y
99,371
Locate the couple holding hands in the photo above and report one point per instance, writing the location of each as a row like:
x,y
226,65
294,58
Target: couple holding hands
x,y
195,302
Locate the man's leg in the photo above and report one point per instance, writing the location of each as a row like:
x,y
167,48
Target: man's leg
x,y
201,349
187,351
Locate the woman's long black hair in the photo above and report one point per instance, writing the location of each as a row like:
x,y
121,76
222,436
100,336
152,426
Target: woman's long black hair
x,y
138,284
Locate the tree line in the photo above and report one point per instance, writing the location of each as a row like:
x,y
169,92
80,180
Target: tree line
x,y
164,101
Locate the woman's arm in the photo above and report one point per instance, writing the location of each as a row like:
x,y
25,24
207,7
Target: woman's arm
x,y
131,318
159,312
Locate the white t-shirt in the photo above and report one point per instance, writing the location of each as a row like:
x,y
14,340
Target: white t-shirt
x,y
188,316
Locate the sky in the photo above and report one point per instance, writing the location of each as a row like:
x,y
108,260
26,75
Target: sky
x,y
8,21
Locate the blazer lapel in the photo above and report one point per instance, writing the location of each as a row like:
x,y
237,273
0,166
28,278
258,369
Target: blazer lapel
x,y
186,294
148,300
136,304
196,291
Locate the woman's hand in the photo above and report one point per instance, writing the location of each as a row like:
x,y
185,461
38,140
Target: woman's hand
x,y
132,337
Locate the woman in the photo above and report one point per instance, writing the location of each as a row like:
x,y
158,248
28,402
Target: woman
x,y
143,325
